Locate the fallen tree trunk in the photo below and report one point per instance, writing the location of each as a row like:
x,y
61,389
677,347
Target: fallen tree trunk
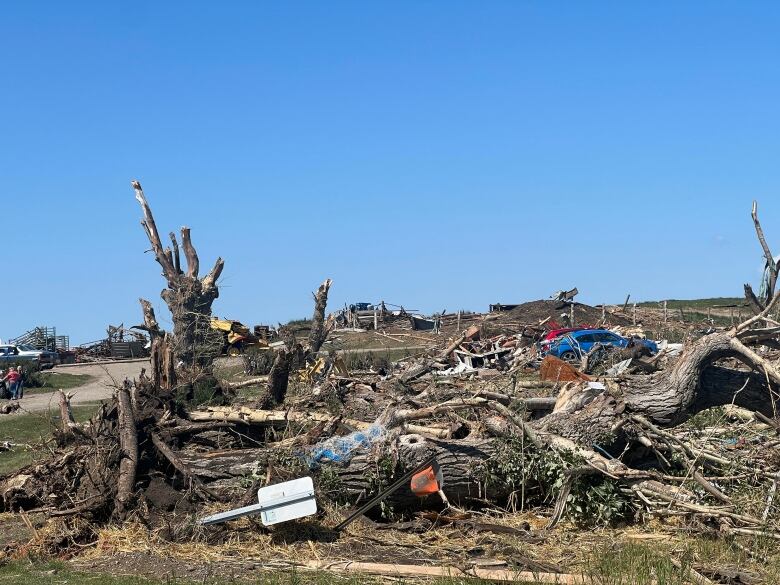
x,y
247,383
457,459
671,396
275,418
282,418
128,443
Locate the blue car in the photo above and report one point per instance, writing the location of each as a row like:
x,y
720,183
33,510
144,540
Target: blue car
x,y
572,346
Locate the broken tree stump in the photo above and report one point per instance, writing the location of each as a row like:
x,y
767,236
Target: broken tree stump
x,y
188,296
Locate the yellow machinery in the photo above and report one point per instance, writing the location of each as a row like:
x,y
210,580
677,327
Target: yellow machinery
x,y
237,336
309,372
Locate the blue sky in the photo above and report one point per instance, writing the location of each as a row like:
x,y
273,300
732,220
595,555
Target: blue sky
x,y
440,155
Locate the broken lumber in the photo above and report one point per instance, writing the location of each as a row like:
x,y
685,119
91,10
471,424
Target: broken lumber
x,y
431,571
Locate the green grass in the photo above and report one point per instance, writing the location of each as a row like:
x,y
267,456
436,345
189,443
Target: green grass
x,y
608,564
31,429
694,303
360,360
57,573
36,573
635,564
51,573
56,380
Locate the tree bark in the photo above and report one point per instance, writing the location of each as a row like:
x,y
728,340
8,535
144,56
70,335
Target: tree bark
x,y
457,459
278,378
128,442
66,413
163,367
668,397
174,459
320,328
770,261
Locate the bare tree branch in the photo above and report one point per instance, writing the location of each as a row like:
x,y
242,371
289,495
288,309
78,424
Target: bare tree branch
x,y
150,321
210,280
176,256
193,264
761,316
770,260
151,232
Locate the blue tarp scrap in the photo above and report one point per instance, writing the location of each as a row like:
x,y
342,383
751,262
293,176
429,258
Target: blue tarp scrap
x,y
341,449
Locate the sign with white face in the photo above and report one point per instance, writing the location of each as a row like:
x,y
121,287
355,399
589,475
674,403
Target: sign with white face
x,y
275,503
287,501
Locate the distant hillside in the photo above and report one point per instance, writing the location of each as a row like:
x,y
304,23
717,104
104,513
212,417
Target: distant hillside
x,y
696,303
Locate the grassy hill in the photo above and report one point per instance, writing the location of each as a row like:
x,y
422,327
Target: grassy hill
x,y
696,303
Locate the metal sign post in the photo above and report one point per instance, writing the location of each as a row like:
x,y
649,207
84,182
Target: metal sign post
x,y
275,503
382,495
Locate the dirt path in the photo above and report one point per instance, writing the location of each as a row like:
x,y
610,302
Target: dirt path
x,y
98,388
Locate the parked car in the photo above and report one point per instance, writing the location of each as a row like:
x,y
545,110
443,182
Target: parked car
x,y
10,353
571,346
44,356
13,353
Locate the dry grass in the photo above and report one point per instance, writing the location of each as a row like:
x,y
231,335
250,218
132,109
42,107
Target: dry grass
x,y
608,556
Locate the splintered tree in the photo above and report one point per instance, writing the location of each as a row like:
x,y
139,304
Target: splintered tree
x,y
771,268
188,296
321,327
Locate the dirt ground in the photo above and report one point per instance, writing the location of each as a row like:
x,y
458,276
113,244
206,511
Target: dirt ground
x,y
100,387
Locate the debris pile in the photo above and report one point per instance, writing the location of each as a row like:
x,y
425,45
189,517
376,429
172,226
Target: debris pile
x,y
479,423
120,343
638,438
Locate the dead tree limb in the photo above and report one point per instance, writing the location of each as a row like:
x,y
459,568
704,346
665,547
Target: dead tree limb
x,y
128,442
166,451
320,328
176,255
752,299
162,358
760,302
150,227
770,260
193,263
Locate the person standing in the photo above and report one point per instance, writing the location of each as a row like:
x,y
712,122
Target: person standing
x,y
12,377
20,383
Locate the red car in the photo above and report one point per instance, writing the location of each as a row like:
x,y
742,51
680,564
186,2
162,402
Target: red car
x,y
553,334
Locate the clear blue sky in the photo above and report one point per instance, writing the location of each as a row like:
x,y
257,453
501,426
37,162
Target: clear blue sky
x,y
442,155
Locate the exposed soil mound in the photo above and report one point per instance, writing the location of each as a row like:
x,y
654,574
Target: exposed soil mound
x,y
535,311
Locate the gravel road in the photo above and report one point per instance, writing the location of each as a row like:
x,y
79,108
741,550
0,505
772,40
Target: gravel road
x,y
100,387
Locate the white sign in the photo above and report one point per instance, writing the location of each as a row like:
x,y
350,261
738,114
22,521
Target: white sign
x,y
287,501
275,503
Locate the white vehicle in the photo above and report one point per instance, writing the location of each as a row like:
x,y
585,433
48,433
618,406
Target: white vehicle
x,y
27,353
